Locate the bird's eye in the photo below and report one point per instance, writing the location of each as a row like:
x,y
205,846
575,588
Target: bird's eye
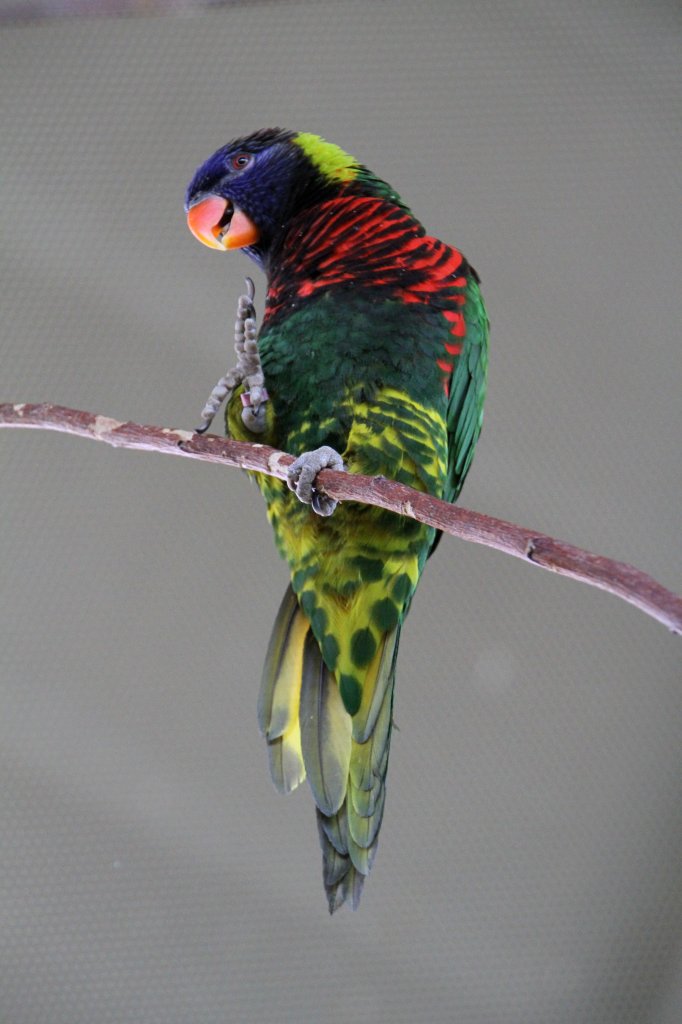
x,y
240,161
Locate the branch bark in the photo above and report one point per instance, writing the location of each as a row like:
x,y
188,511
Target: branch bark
x,y
619,578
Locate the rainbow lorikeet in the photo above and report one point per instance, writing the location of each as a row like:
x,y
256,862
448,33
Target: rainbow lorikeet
x,y
372,355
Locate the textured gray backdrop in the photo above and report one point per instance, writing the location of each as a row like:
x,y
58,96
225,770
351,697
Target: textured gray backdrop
x,y
529,869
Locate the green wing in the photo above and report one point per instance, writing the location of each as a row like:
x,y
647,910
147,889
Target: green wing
x,y
467,391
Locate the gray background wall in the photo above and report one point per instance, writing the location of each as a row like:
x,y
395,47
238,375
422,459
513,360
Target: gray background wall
x,y
529,868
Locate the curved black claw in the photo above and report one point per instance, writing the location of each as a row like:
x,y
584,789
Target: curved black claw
x,y
322,504
302,473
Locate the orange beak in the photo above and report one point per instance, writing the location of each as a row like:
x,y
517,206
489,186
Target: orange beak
x,y
217,223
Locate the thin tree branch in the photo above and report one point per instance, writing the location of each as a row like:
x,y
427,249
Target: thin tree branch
x,y
618,578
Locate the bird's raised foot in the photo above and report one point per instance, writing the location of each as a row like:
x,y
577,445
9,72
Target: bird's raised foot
x,y
302,473
248,371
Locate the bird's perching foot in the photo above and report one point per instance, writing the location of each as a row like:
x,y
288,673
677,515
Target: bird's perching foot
x,y
301,476
248,371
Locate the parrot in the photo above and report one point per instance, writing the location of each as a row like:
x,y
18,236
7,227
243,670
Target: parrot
x,y
372,358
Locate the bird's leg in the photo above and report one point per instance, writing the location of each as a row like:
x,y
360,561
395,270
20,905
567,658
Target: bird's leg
x,y
248,371
254,396
301,476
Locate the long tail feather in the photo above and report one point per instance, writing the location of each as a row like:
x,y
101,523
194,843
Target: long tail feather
x,y
325,731
280,693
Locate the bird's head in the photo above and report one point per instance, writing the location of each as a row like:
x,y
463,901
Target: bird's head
x,y
244,196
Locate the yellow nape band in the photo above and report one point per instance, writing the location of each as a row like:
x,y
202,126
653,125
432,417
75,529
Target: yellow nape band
x,y
332,161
